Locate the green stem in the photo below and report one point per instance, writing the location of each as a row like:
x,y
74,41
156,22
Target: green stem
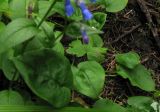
x,y
58,24
46,14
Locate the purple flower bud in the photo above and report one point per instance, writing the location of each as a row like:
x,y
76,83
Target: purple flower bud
x,y
68,8
84,36
30,11
87,15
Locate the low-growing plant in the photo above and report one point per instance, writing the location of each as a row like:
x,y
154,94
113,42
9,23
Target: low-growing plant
x,y
35,50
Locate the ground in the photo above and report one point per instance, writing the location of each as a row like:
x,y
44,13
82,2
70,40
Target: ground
x,y
131,30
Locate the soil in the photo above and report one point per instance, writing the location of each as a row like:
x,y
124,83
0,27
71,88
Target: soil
x,y
131,30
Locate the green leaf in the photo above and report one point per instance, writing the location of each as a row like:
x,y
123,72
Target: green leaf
x,y
93,53
9,97
58,47
8,66
89,78
2,26
98,20
4,7
115,5
96,54
17,6
32,45
129,60
141,102
22,7
16,32
76,48
95,41
48,74
74,30
47,36
44,5
139,76
133,109
108,106
8,69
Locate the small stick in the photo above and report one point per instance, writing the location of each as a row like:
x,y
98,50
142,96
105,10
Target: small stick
x,y
126,33
154,30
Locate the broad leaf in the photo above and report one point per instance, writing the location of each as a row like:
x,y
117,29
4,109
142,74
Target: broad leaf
x,y
2,26
115,5
4,7
18,9
89,78
48,74
95,41
32,45
58,47
139,76
9,97
47,36
25,8
134,109
8,66
17,32
129,60
141,102
108,106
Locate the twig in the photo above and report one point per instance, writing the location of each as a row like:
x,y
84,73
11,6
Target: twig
x,y
154,30
126,33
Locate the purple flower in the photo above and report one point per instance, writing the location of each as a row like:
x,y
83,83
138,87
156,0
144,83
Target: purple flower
x,y
68,8
84,36
87,15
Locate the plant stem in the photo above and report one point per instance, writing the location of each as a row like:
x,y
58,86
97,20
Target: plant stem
x,y
46,14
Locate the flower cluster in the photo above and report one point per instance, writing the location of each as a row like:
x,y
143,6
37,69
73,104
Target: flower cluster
x,y
87,15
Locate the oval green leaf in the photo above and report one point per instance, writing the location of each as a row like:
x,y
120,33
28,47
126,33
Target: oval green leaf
x,y
141,102
108,106
89,78
139,76
9,97
129,60
48,74
17,32
115,5
17,6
